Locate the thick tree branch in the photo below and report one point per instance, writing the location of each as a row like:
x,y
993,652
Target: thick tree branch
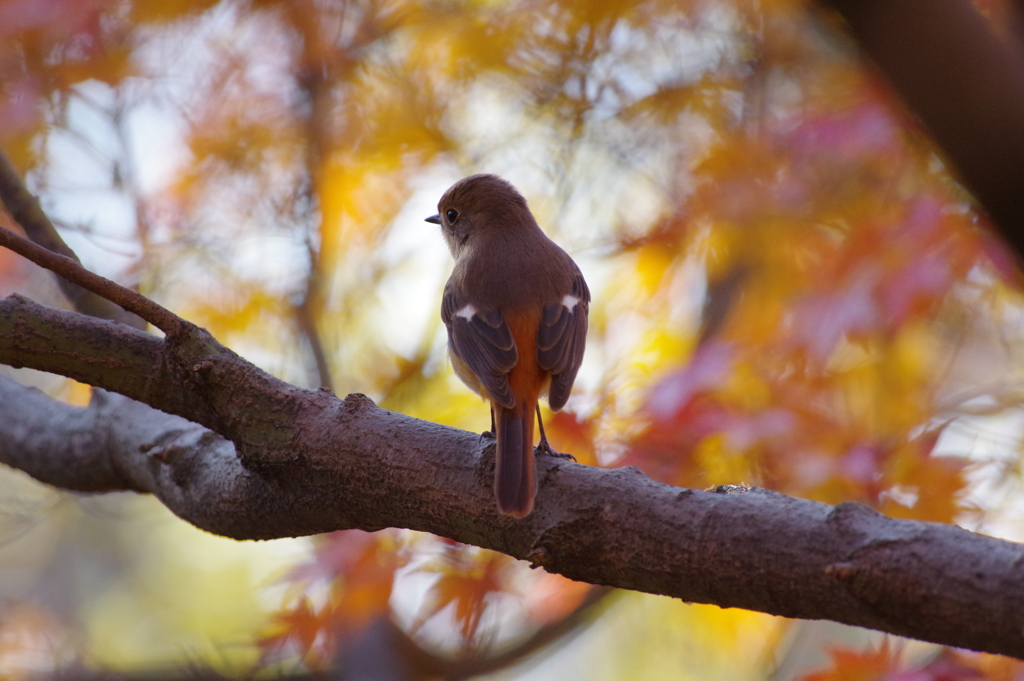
x,y
311,463
41,436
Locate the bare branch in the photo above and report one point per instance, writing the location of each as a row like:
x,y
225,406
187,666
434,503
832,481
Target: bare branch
x,y
190,374
24,207
309,463
71,270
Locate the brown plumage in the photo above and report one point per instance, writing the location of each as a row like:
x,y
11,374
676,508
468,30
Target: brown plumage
x,y
516,312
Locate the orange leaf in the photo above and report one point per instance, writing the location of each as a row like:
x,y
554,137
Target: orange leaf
x,y
850,665
467,577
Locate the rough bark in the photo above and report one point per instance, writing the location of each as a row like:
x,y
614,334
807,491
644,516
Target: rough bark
x,y
308,462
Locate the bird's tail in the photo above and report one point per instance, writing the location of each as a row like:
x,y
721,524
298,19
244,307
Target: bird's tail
x,y
515,484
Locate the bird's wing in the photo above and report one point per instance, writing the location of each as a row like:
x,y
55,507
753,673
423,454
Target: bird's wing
x,y
481,338
562,338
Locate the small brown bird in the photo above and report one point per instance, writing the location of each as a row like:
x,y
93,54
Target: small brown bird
x,y
516,311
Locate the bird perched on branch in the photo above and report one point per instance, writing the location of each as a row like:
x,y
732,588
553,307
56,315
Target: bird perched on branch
x,y
516,310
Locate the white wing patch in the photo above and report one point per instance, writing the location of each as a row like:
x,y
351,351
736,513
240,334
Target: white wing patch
x,y
467,312
569,302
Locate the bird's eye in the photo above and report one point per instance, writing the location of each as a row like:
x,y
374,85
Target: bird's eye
x,y
452,215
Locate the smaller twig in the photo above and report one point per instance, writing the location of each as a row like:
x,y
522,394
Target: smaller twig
x,y
69,269
307,325
26,211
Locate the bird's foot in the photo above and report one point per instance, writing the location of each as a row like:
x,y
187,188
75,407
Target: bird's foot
x,y
546,449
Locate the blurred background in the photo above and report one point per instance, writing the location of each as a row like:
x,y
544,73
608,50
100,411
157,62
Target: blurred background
x,y
790,290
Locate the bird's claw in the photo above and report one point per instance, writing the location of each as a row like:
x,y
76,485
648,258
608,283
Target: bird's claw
x,y
545,449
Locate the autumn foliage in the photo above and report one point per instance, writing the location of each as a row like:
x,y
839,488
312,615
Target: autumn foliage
x,y
790,288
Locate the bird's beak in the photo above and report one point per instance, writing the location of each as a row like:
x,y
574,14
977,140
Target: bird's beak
x,y
436,219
